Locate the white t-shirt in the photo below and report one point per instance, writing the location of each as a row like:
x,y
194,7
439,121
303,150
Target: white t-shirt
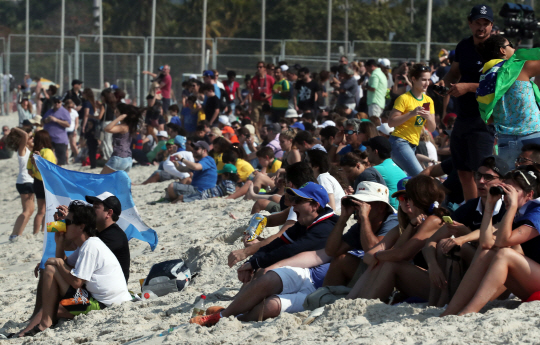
x,y
432,151
24,176
74,116
169,167
332,186
96,264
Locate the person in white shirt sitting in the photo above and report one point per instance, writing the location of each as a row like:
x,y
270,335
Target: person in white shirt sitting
x,y
91,278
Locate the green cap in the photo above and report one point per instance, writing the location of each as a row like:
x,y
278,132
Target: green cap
x,y
228,168
170,142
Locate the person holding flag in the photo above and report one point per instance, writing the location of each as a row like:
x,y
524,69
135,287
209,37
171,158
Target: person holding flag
x,y
507,98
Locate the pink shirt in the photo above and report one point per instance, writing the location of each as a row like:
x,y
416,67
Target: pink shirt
x,y
166,89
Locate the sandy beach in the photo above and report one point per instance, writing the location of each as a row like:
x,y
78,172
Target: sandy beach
x,y
203,234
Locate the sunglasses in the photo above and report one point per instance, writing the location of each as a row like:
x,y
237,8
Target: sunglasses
x,y
522,160
403,198
487,177
349,132
508,45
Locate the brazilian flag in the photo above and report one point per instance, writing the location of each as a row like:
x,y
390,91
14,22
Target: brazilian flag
x,y
498,76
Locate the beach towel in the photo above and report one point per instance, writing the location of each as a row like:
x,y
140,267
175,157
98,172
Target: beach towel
x,y
498,76
63,186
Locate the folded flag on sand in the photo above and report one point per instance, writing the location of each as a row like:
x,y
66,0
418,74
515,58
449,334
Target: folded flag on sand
x,y
498,76
63,186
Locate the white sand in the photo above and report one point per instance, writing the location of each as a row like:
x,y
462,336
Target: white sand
x,y
203,234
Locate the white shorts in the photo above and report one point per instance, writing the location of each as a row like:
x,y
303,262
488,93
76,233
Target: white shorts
x,y
297,285
374,110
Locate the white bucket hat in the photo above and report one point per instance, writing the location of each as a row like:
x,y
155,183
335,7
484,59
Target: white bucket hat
x,y
290,113
372,191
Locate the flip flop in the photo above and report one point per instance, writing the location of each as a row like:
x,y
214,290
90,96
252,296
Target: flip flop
x,y
33,331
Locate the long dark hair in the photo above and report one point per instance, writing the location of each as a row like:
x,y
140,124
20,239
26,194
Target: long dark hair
x,y
491,48
42,140
426,193
88,95
134,118
110,98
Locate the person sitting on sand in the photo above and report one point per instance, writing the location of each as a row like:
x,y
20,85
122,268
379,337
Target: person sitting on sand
x,y
397,260
297,175
167,170
508,256
89,279
236,156
451,245
270,165
338,263
204,175
315,222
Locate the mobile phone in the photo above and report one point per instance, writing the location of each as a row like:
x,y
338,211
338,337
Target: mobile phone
x,y
174,158
426,106
447,219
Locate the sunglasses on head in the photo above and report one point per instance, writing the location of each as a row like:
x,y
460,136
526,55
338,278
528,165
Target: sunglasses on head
x,y
349,132
421,68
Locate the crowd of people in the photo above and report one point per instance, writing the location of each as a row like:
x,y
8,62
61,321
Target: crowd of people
x,y
438,164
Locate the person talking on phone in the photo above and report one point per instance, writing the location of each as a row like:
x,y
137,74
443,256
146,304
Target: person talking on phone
x,y
412,111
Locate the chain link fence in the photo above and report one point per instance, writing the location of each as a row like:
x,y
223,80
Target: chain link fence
x,y
126,57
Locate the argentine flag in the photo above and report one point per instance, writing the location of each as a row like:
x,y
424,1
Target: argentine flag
x,y
63,186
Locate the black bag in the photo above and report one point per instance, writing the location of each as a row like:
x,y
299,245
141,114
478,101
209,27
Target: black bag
x,y
166,277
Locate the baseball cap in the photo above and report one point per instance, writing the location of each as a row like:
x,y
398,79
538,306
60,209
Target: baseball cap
x,y
385,129
380,144
298,125
76,82
216,131
481,11
311,191
163,134
208,73
107,199
401,186
224,119
291,113
228,168
56,99
170,142
500,166
284,68
227,129
201,143
368,191
326,124
180,140
384,62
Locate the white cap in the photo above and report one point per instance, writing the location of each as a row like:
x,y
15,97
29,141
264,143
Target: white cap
x,y
385,129
163,134
327,123
224,119
372,191
384,62
284,68
192,76
290,113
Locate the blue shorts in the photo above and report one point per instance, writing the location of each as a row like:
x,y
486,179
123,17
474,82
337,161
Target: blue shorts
x,y
117,163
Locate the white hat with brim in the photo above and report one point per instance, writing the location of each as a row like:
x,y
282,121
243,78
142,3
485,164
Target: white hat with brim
x,y
224,120
163,134
368,191
385,129
291,113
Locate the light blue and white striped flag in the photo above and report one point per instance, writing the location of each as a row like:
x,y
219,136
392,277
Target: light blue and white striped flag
x,y
63,186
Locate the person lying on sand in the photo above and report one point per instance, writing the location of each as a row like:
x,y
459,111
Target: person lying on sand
x,y
315,223
89,279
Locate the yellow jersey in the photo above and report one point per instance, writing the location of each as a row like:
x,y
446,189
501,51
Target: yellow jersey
x,y
411,129
276,165
244,169
47,154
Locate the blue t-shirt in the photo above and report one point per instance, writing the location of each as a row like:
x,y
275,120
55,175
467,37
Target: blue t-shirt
x,y
352,237
391,174
531,217
190,119
318,273
349,148
207,177
176,120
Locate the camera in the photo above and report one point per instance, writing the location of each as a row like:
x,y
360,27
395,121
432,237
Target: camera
x,y
347,202
263,94
519,20
441,90
497,190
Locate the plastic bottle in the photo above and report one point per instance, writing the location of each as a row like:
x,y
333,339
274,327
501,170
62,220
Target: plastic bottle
x,y
198,309
56,226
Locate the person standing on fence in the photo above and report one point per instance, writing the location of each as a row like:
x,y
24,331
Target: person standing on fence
x,y
376,89
471,140
55,121
261,92
75,95
165,84
106,116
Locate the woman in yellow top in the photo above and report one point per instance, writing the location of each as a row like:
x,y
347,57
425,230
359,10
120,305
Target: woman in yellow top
x,y
412,111
42,147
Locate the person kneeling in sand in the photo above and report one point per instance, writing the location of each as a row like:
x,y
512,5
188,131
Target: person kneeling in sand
x,y
204,175
89,279
315,222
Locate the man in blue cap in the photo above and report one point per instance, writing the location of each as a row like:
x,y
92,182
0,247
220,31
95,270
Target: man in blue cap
x,y
283,289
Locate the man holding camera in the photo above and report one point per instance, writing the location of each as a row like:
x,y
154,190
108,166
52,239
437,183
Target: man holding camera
x,y
471,139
